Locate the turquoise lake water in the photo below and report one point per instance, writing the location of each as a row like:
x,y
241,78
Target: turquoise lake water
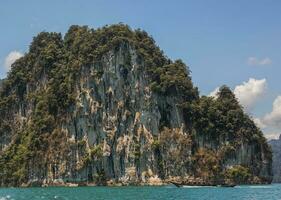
x,y
259,192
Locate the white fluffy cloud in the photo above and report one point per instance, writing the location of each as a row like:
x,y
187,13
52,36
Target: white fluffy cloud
x,y
11,58
257,61
259,123
274,117
271,120
271,135
248,93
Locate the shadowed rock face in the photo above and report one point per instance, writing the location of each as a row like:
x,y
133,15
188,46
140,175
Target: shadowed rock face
x,y
276,159
90,109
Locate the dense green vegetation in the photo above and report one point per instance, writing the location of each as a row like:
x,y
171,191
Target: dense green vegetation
x,y
45,78
223,119
223,123
238,174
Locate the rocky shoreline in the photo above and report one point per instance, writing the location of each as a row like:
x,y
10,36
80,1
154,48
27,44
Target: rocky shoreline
x,y
152,181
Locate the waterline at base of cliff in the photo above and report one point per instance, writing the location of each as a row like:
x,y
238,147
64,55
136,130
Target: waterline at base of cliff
x,y
257,192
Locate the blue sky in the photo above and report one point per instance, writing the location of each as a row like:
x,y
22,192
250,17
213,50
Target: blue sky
x,y
223,41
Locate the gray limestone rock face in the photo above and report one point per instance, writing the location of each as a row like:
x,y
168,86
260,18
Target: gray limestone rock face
x,y
118,113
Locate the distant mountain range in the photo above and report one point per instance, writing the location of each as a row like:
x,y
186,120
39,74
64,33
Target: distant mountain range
x,y
276,158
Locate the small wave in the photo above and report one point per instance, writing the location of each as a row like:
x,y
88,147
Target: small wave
x,y
59,197
255,186
196,186
260,186
7,197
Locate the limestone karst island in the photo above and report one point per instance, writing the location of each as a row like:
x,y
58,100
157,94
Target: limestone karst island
x,y
106,106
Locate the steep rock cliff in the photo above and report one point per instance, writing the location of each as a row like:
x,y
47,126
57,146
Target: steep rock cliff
x,y
106,105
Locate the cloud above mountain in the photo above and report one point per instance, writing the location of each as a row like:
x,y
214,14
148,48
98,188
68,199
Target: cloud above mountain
x,y
273,118
248,93
271,122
